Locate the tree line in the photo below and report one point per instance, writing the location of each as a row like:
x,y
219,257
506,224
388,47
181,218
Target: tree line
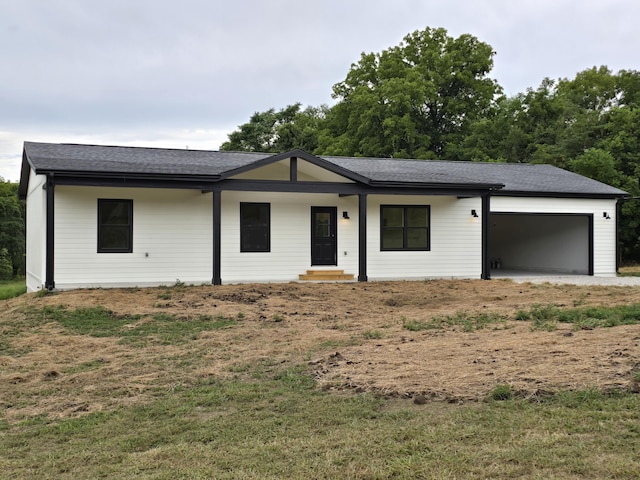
x,y
431,97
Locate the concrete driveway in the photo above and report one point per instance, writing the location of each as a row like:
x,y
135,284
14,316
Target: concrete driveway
x,y
528,277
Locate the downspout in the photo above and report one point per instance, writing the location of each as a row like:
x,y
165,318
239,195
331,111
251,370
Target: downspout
x,y
217,215
49,283
486,211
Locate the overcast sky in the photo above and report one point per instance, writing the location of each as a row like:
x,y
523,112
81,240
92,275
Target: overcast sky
x,y
178,73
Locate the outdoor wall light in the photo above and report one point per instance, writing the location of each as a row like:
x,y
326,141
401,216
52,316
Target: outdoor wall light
x,y
345,215
606,216
474,213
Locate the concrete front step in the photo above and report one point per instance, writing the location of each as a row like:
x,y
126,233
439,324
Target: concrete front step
x,y
326,276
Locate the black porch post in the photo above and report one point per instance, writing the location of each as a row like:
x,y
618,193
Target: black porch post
x,y
486,212
217,214
362,237
618,252
49,283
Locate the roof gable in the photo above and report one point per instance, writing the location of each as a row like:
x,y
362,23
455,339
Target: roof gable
x,y
300,154
281,170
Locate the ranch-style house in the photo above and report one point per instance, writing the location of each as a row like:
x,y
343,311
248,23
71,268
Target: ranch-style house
x,y
111,216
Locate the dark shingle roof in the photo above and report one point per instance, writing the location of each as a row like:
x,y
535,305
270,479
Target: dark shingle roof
x,y
516,177
170,163
138,160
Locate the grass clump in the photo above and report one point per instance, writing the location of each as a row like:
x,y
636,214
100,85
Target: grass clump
x,y
418,325
372,334
544,317
501,393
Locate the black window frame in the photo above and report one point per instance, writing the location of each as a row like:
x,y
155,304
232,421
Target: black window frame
x,y
250,230
102,225
405,229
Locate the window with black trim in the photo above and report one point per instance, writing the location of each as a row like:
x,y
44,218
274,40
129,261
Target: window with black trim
x,y
115,226
255,231
405,227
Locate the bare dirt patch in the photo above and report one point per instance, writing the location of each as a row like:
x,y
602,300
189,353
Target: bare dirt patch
x,y
351,336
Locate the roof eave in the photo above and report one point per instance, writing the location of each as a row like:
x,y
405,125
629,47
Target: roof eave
x,y
25,174
127,175
523,193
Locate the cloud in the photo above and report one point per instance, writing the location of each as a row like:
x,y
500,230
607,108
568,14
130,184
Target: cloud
x,y
160,70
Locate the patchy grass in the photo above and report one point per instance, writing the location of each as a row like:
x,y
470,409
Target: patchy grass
x,y
546,317
281,426
199,390
12,288
160,328
468,321
630,271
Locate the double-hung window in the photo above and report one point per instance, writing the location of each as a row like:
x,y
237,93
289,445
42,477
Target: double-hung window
x,y
405,227
115,226
255,231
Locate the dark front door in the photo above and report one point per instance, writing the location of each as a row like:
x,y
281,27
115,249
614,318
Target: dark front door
x,y
324,236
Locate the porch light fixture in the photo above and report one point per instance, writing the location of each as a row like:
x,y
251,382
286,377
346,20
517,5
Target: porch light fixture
x,y
345,215
474,213
606,216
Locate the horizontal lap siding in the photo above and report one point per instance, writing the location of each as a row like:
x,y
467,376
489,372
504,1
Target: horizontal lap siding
x,y
604,230
174,227
456,240
290,253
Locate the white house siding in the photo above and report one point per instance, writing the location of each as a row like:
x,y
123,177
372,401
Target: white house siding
x,y
456,240
290,253
36,233
172,238
604,230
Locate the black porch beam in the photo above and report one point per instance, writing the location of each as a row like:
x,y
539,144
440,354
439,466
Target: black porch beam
x,y
343,189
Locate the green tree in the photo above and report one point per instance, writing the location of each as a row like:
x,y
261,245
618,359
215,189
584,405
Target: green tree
x,y
6,268
415,100
278,131
597,164
12,232
589,124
